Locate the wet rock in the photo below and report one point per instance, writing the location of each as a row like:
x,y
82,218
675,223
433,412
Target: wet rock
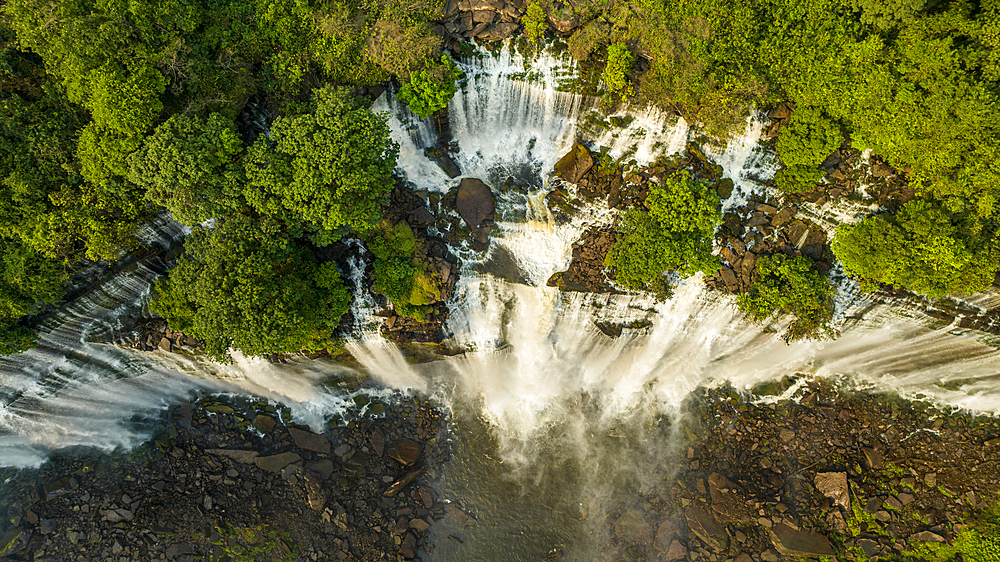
x,y
404,450
324,468
792,542
474,201
665,534
577,162
59,487
310,441
263,424
275,463
377,440
834,486
244,457
704,526
13,541
408,548
632,528
421,217
419,525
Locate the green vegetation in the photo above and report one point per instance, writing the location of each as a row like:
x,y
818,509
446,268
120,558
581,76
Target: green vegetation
x,y
408,283
802,145
922,248
244,284
616,71
978,542
432,88
329,167
252,544
674,233
790,285
534,22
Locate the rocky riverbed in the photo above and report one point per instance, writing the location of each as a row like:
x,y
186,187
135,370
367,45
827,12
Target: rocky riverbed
x,y
234,479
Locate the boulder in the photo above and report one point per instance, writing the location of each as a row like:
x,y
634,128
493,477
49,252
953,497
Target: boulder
x,y
166,345
728,502
791,542
243,457
704,526
404,450
310,441
275,463
577,162
632,528
834,486
474,202
677,551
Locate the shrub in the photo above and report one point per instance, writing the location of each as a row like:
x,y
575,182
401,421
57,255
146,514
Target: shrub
x,y
675,233
534,22
790,285
432,88
399,276
616,72
803,144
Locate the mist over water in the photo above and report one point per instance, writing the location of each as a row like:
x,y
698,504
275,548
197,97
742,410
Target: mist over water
x,y
557,425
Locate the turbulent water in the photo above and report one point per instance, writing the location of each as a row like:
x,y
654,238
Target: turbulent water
x,y
556,423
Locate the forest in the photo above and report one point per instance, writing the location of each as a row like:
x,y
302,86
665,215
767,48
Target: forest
x,y
115,110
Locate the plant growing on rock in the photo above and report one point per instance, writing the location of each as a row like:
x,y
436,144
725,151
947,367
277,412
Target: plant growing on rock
x,y
534,22
399,275
790,285
616,71
675,233
431,89
803,144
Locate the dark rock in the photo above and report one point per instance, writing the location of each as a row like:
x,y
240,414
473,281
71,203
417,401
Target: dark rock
x,y
324,467
59,487
724,188
377,439
275,463
245,457
263,424
790,542
310,441
707,528
577,162
677,551
872,457
421,217
408,548
448,165
728,502
404,450
632,528
474,202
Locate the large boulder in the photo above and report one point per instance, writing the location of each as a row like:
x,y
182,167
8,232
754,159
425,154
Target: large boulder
x,y
577,162
475,201
791,542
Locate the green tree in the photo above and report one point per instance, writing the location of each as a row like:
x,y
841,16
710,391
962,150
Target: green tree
x,y
411,285
923,248
790,285
246,285
675,233
431,89
616,71
802,145
329,167
534,22
186,165
27,281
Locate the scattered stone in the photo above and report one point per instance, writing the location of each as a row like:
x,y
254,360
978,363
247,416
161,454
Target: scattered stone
x,y
244,457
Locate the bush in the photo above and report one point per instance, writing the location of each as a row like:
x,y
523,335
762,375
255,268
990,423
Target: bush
x,y
790,285
803,144
675,233
432,88
534,22
923,248
616,72
399,276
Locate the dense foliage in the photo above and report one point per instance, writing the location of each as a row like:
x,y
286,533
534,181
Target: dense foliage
x,y
245,284
399,276
790,285
921,248
616,70
802,145
329,166
534,22
430,89
673,233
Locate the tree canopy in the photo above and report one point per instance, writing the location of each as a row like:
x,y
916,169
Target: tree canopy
x,y
790,285
245,284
